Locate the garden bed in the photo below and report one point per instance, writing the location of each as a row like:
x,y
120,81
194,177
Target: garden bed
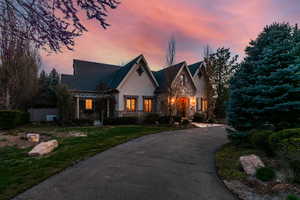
x,y
246,187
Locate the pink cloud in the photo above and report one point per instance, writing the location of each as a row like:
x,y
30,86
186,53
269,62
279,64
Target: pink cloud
x,y
145,27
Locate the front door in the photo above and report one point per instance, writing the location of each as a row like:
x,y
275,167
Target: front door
x,y
182,106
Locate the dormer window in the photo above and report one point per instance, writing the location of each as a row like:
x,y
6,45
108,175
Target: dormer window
x,y
140,70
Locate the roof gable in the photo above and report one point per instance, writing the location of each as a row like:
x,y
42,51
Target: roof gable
x,y
167,75
194,68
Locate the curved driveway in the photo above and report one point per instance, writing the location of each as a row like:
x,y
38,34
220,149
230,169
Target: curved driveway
x,y
165,166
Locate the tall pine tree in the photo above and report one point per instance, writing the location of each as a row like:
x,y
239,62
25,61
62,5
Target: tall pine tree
x,y
266,89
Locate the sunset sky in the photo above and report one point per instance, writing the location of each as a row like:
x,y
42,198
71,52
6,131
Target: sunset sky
x,y
145,26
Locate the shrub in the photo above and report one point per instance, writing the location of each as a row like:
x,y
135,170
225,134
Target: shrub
x,y
12,118
290,148
121,121
25,118
177,119
199,117
237,137
277,137
265,174
292,197
260,139
164,119
185,122
151,118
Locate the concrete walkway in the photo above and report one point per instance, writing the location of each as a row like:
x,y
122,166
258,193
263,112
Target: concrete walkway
x,y
164,166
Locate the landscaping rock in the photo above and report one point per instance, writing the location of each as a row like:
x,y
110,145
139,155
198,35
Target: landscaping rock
x,y
98,123
251,163
33,137
245,192
78,134
43,148
242,191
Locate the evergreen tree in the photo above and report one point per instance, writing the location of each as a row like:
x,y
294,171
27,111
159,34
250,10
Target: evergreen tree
x,y
266,88
223,66
46,97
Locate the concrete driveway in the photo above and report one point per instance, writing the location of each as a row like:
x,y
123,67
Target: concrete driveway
x,y
164,166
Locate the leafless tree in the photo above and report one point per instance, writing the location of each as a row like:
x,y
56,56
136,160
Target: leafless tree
x,y
55,23
19,63
171,52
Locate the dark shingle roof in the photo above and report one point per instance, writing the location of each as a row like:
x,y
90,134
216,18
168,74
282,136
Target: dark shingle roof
x,y
165,76
194,67
88,75
120,74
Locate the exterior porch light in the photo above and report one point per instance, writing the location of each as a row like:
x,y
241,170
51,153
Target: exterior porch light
x,y
193,101
173,100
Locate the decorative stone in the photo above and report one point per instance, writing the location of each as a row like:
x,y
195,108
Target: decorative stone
x,y
97,123
43,148
33,137
78,134
251,163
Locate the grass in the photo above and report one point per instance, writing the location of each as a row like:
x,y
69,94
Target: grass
x,y
227,161
19,172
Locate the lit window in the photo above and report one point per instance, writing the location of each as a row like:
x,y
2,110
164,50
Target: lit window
x,y
204,105
131,104
89,104
148,105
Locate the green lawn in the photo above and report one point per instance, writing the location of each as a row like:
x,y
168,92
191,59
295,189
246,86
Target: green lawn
x,y
19,172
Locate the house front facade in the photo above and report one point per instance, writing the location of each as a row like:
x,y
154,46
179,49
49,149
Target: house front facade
x,y
135,90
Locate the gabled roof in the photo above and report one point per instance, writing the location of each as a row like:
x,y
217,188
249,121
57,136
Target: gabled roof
x,y
166,76
120,74
88,75
195,67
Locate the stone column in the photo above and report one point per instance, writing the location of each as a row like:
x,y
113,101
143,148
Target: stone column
x,y
77,108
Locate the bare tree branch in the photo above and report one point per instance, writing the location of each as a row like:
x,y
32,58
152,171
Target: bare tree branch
x,y
55,24
171,52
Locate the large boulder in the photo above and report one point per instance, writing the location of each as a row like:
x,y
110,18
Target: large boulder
x,y
43,148
251,163
33,137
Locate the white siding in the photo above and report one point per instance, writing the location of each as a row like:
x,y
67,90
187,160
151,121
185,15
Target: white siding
x,y
136,85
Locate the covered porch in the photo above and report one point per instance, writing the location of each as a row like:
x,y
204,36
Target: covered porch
x,y
92,106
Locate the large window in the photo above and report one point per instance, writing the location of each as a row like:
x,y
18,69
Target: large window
x,y
204,104
148,105
131,104
89,104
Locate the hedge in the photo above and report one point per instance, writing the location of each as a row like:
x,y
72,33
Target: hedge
x,y
199,117
260,139
151,118
277,137
10,119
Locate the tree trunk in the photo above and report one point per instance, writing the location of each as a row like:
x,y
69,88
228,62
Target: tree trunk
x,y
7,99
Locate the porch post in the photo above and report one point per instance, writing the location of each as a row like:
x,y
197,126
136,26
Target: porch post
x,y
108,108
77,108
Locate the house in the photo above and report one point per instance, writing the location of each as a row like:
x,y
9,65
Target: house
x,y
135,90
